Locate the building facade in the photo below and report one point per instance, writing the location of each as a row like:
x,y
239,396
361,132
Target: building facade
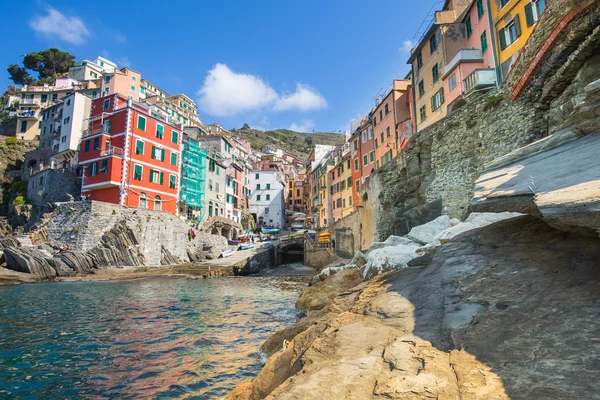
x,y
215,188
193,180
267,203
130,155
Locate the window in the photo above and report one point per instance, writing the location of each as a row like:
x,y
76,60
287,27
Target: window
x,y
382,138
510,33
132,88
160,131
381,115
355,144
158,153
421,88
67,120
63,139
268,186
69,102
104,167
94,94
172,181
503,3
356,164
374,121
217,170
349,182
174,137
357,184
423,114
433,42
157,203
419,61
365,160
107,78
268,197
437,100
256,176
387,109
371,156
452,82
45,98
139,147
86,146
94,169
210,185
133,78
387,132
348,164
141,123
435,73
143,200
157,177
375,143
138,172
371,133
106,104
97,143
23,126
258,197
364,136
480,9
142,90
468,26
533,11
173,158
484,44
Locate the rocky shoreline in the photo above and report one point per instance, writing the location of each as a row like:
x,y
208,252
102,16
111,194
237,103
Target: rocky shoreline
x,y
502,311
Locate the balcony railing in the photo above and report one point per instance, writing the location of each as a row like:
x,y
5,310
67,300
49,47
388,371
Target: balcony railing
x,y
480,78
94,131
464,55
29,102
112,151
29,114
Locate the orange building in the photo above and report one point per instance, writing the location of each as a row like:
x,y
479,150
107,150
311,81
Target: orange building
x,y
124,81
384,141
130,155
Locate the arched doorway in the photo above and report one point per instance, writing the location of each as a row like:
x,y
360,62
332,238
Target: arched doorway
x,y
143,200
157,203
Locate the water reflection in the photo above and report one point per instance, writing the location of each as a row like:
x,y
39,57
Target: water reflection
x,y
139,339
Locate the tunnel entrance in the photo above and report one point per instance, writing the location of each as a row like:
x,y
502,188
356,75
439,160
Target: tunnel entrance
x,y
293,253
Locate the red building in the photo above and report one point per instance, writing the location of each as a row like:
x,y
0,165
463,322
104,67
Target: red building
x,y
130,155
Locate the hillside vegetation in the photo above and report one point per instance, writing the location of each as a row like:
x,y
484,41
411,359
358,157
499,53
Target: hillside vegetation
x,y
296,143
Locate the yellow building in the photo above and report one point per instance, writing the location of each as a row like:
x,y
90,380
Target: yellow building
x,y
513,22
346,177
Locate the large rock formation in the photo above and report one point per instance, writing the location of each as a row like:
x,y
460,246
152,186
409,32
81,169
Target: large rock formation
x,y
504,311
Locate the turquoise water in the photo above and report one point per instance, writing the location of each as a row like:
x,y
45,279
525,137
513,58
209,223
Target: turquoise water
x,y
148,338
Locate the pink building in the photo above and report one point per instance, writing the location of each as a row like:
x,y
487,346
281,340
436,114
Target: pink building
x,y
472,65
336,191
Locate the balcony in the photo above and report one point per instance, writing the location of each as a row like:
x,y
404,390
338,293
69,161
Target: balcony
x,y
57,115
94,131
480,78
464,55
27,114
112,151
29,102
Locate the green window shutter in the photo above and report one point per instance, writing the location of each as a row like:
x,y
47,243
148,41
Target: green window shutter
x,y
151,175
479,8
137,171
468,26
153,155
268,197
484,44
518,24
162,178
139,147
141,123
529,14
174,137
162,155
502,36
160,130
441,96
173,158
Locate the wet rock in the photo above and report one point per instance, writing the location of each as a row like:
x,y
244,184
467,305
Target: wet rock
x,y
30,260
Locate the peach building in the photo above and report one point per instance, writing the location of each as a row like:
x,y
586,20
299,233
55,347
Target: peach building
x,y
384,141
124,81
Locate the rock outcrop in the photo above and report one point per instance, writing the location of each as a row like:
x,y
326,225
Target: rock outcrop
x,y
504,311
318,296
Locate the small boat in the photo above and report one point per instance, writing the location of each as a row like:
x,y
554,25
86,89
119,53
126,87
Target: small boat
x,y
269,230
247,246
233,242
267,244
227,253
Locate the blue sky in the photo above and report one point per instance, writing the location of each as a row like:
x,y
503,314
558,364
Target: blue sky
x,y
308,65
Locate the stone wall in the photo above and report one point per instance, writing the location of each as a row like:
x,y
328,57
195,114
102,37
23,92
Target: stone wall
x,y
435,173
348,233
83,223
319,258
52,186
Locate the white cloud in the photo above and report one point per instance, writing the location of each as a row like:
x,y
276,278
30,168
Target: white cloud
x,y
304,98
226,93
119,37
407,46
306,126
123,62
57,25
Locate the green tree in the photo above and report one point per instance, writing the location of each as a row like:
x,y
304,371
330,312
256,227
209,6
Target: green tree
x,y
49,65
246,127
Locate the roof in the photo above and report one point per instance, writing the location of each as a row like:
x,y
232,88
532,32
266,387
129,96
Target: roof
x,y
420,45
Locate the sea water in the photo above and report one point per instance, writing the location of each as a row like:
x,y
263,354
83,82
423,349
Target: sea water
x,y
147,338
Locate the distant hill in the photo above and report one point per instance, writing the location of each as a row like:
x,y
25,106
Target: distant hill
x,y
296,143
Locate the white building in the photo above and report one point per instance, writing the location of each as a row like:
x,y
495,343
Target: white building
x,y
86,70
267,203
61,129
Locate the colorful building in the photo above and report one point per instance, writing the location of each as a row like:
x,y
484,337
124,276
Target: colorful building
x,y
130,155
334,204
513,22
356,160
472,66
403,113
86,70
346,182
384,129
367,148
193,180
215,188
125,82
